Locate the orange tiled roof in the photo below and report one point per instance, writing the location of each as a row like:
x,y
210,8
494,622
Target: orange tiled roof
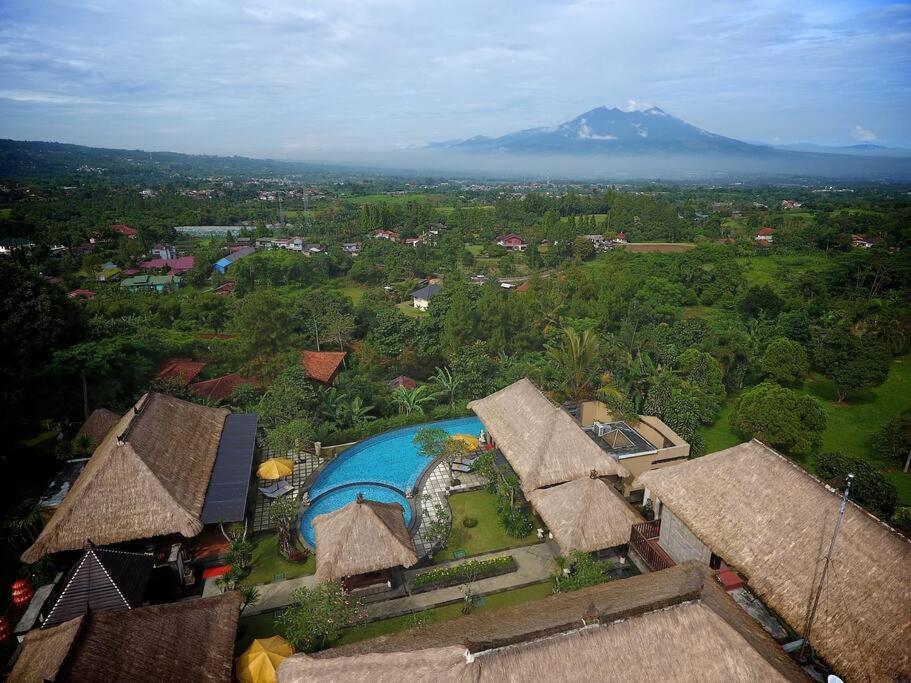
x,y
322,365
220,388
184,369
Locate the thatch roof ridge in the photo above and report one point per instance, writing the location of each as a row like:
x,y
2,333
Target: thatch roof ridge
x,y
363,536
124,494
677,624
585,514
541,441
773,521
98,425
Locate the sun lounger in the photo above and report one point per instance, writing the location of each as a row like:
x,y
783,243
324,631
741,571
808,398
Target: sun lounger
x,y
277,490
459,467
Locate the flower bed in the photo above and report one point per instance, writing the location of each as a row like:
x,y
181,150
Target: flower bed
x,y
462,573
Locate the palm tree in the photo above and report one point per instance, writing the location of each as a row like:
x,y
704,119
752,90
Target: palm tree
x,y
357,413
576,360
448,384
412,400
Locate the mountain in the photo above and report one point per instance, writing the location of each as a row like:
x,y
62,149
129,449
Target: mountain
x,y
861,149
612,131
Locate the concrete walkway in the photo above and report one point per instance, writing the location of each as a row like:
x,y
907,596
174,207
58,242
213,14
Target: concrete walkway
x,y
535,564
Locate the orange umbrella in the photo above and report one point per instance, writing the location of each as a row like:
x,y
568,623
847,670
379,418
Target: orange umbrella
x,y
260,661
276,468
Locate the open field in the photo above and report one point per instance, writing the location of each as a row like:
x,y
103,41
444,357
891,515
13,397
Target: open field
x,y
487,536
409,310
769,270
353,292
393,198
658,247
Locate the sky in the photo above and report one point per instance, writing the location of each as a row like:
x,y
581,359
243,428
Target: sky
x,y
306,79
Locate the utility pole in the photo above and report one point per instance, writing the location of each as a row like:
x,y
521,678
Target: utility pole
x,y
825,569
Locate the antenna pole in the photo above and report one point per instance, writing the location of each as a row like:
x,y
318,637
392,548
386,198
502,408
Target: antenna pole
x,y
825,569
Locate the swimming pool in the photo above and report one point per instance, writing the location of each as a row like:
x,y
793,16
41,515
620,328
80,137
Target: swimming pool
x,y
390,459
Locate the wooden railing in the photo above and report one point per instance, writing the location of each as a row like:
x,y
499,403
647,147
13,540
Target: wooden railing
x,y
644,539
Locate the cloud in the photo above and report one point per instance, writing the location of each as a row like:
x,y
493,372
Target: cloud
x,y
862,134
633,105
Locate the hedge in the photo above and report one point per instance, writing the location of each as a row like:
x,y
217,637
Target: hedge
x,y
384,424
462,573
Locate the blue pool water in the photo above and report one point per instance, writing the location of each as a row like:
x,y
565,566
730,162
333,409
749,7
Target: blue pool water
x,y
340,497
390,458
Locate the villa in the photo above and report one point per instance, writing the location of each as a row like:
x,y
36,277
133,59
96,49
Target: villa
x,y
511,242
163,472
179,370
750,509
420,299
765,235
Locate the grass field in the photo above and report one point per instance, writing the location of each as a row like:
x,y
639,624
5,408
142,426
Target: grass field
x,y
393,198
267,563
412,312
487,536
353,292
768,270
849,426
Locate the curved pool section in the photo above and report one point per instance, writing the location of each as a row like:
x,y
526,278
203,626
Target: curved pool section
x,y
389,459
340,497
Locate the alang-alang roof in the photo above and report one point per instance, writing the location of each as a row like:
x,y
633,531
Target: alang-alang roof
x,y
542,442
771,520
147,478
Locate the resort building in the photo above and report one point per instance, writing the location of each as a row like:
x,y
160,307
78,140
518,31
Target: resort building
x,y
674,625
750,509
642,445
191,641
542,443
220,388
402,382
420,299
161,474
361,541
181,371
322,366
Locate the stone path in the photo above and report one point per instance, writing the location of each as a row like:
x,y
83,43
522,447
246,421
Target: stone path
x,y
535,564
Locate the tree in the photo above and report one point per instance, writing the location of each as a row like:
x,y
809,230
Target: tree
x,y
576,362
317,616
582,248
436,528
412,400
264,322
291,396
705,378
292,437
284,512
782,417
893,440
785,362
448,384
870,488
851,363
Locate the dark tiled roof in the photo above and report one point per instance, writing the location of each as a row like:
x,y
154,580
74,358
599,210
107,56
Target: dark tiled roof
x,y
426,292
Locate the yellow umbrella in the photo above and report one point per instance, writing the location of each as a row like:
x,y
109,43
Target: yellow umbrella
x,y
259,662
469,442
276,468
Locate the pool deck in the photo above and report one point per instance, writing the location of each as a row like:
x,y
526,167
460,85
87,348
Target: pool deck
x,y
535,564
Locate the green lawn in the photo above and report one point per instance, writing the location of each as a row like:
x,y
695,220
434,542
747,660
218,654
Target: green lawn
x,y
267,563
487,536
849,426
393,198
768,270
353,292
412,312
516,596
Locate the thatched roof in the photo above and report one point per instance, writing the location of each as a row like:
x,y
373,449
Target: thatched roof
x,y
364,536
147,478
184,641
98,425
773,521
586,514
542,442
677,624
43,652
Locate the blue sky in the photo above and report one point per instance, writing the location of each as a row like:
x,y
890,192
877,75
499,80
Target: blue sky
x,y
302,79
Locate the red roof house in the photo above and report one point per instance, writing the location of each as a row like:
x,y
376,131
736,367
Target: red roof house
x,y
524,287
765,235
512,242
125,230
220,388
225,288
390,235
81,294
322,366
181,370
402,381
621,237
177,266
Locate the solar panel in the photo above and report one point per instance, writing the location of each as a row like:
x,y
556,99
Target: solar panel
x,y
226,497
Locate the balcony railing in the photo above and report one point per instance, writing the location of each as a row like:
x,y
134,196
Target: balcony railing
x,y
644,539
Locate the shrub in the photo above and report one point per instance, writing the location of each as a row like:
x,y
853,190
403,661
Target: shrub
x,y
902,520
463,573
585,571
469,522
870,488
783,418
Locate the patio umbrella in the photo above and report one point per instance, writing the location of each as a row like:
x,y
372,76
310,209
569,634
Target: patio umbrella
x,y
469,442
259,662
275,468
